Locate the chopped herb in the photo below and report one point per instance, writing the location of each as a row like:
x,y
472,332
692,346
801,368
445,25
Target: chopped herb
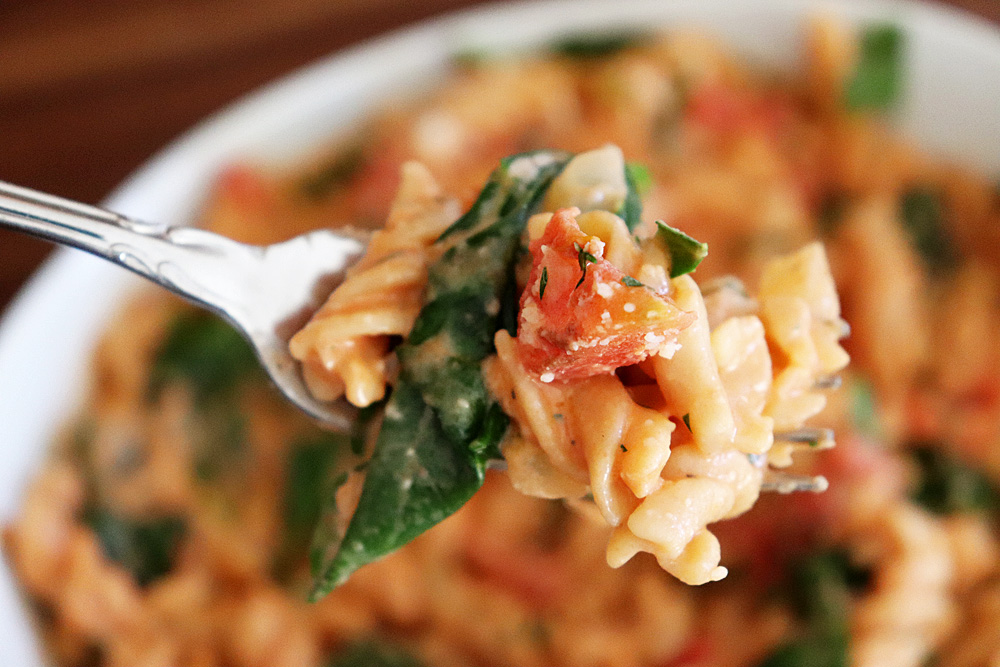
x,y
583,258
333,174
557,416
878,78
624,448
922,214
543,282
206,353
945,485
685,253
812,443
146,548
687,421
373,654
629,281
594,45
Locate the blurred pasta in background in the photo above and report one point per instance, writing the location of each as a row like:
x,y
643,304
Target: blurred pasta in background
x,y
173,523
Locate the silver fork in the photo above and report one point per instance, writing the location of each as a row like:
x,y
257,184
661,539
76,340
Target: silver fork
x,y
266,292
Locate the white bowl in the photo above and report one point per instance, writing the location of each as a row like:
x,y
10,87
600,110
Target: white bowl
x,y
47,336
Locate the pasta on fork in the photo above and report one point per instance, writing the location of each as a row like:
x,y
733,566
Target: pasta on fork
x,y
601,372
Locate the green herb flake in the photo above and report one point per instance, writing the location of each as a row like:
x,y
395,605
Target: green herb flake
x,y
687,421
584,259
685,253
624,448
543,282
629,281
877,80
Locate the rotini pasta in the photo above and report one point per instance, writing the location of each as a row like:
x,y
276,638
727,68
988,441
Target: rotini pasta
x,y
174,525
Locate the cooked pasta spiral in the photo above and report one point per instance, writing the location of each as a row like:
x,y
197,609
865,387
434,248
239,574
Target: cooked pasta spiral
x,y
344,349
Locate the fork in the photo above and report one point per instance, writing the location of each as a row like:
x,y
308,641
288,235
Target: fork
x,y
265,292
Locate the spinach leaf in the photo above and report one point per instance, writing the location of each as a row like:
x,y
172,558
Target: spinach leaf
x,y
878,78
598,45
416,478
307,479
946,485
205,352
685,253
333,174
922,214
440,425
638,181
374,654
309,466
821,587
146,548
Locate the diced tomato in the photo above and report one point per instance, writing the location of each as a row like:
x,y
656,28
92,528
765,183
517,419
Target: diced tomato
x,y
725,109
578,318
698,651
245,187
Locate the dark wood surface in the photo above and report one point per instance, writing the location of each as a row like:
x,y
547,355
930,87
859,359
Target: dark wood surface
x,y
90,89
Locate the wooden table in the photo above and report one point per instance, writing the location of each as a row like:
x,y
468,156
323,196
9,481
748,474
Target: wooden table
x,y
90,89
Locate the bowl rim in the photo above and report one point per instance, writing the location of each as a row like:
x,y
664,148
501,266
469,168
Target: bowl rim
x,y
216,140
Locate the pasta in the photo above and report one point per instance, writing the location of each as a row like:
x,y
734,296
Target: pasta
x,y
173,524
345,345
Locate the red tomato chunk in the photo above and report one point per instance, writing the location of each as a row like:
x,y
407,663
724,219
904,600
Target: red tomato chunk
x,y
585,320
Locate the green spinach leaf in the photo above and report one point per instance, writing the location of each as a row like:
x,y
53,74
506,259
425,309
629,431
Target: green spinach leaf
x,y
821,587
598,45
440,425
685,253
877,80
146,548
206,353
638,181
333,174
922,214
946,485
374,654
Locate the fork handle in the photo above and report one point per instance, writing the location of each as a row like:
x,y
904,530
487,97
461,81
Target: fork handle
x,y
169,256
